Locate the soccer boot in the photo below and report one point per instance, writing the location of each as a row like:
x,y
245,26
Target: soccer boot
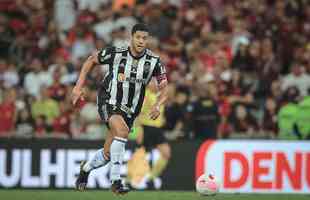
x,y
81,181
118,188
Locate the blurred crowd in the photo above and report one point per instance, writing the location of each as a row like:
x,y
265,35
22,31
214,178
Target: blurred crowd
x,y
237,68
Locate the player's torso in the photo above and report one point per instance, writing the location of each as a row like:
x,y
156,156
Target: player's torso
x,y
130,69
128,76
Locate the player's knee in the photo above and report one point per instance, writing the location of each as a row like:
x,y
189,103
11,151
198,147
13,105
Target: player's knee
x,y
121,130
118,127
165,150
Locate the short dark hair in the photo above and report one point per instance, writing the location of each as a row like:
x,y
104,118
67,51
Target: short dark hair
x,y
139,27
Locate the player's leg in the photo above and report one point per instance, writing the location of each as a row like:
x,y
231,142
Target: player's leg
x,y
161,163
117,151
107,144
154,138
99,159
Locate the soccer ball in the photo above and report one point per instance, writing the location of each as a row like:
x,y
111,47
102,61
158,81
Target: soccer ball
x,y
207,185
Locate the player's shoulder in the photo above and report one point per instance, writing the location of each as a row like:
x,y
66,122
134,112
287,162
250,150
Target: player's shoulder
x,y
120,49
152,54
114,49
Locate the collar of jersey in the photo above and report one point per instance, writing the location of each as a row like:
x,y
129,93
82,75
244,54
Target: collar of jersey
x,y
139,56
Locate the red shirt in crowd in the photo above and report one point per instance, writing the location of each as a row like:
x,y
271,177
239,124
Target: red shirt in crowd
x,y
62,123
57,91
7,116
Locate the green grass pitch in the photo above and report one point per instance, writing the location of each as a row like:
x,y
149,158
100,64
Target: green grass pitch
x,y
143,195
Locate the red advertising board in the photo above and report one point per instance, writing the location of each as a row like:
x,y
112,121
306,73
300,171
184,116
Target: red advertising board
x,y
257,166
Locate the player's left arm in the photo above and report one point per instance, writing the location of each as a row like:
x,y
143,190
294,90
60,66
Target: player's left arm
x,y
163,92
162,85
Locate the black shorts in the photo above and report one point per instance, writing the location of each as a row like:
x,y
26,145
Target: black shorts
x,y
106,110
153,136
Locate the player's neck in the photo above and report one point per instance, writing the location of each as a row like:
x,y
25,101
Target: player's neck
x,y
134,53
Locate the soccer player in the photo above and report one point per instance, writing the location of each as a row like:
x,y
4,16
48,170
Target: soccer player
x,y
153,137
120,98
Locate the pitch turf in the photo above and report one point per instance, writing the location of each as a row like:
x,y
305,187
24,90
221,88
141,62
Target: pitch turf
x,y
149,195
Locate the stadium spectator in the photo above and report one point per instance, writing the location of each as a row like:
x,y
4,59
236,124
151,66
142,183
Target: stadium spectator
x,y
297,78
288,116
242,60
8,113
176,112
204,113
41,127
65,14
90,117
36,78
57,90
125,19
270,121
6,36
44,108
105,25
61,124
10,75
303,117
224,129
24,124
243,121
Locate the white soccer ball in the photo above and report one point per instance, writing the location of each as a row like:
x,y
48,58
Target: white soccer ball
x,y
207,184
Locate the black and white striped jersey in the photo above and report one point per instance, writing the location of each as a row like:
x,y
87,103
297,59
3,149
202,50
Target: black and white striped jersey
x,y
128,76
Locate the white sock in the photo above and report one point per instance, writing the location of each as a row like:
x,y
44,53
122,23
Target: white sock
x,y
117,151
96,161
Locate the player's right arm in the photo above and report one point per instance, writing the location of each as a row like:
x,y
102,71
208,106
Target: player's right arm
x,y
77,91
98,57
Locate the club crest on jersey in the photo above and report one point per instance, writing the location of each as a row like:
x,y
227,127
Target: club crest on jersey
x,y
134,70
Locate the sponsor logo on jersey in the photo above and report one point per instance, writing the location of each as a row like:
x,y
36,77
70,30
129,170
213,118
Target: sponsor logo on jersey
x,y
121,77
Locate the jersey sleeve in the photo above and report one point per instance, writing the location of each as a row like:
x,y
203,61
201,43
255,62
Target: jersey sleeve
x,y
105,55
159,71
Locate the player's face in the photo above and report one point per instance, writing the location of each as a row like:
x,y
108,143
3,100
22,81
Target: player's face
x,y
139,41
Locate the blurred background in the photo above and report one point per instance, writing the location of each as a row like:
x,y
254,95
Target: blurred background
x,y
238,69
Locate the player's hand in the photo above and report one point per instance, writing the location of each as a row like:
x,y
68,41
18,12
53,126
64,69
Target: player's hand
x,y
77,93
155,112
